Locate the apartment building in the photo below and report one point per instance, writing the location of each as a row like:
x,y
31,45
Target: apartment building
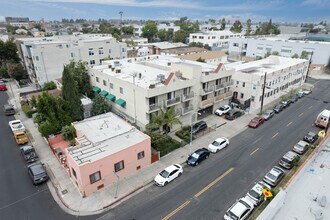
x,y
18,21
215,39
167,27
106,147
281,75
212,57
44,58
139,87
253,47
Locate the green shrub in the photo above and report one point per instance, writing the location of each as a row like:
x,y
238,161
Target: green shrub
x,y
163,143
49,86
27,110
184,134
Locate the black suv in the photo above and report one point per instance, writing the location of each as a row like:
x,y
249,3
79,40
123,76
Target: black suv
x,y
198,127
37,173
233,114
29,154
310,137
198,156
278,108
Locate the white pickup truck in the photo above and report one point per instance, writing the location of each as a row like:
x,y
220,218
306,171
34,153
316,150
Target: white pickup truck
x,y
16,126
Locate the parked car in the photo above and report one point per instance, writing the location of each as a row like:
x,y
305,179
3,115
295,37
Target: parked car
x,y
311,137
285,103
240,210
255,194
300,94
198,156
218,144
29,154
3,87
294,98
233,114
278,108
268,114
168,175
288,158
9,109
198,127
301,147
274,176
222,110
37,173
306,91
256,122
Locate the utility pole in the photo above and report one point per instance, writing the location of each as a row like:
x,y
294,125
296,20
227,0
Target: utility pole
x,y
263,93
309,65
191,135
121,18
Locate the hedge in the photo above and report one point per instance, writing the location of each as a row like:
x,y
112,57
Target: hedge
x,y
184,134
27,110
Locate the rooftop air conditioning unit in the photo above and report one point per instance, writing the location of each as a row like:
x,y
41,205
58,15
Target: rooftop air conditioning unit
x,y
109,66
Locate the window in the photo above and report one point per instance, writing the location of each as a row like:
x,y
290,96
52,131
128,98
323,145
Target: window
x,y
101,50
37,58
252,98
243,84
72,54
204,97
92,62
121,90
123,50
91,52
140,155
111,85
109,50
254,86
95,177
242,95
235,44
97,79
74,173
104,83
119,166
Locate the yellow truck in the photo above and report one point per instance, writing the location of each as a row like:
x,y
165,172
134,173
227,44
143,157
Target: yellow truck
x,y
18,130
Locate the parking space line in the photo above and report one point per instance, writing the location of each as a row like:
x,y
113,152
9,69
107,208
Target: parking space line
x,y
254,151
310,107
275,135
301,114
176,210
289,124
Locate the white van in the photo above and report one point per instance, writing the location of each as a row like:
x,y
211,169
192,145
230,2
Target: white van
x,y
322,119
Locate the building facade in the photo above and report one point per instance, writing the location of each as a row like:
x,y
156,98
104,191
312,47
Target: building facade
x,y
318,52
283,75
44,58
138,88
18,21
106,147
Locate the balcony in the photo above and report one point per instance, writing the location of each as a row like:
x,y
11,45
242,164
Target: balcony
x,y
188,109
173,101
207,90
223,96
223,85
206,103
186,97
154,107
177,112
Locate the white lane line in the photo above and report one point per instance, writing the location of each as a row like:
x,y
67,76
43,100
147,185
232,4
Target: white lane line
x,y
301,114
275,135
254,151
289,124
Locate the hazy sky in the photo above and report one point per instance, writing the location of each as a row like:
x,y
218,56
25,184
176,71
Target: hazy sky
x,y
278,10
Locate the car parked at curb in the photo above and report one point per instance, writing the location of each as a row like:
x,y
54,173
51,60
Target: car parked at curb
x,y
285,103
287,160
301,147
240,210
300,94
274,176
255,195
218,144
29,154
222,110
3,87
198,127
256,122
37,173
294,98
233,114
198,156
311,137
268,114
168,175
306,91
278,108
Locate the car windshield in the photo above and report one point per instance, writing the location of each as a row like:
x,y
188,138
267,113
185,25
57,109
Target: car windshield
x,y
164,174
194,155
254,194
271,176
222,109
195,126
299,146
255,120
39,175
286,160
215,143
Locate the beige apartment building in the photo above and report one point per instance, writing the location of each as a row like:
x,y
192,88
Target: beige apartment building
x,y
139,87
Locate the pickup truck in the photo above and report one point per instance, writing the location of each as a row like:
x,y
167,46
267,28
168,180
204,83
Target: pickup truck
x,y
16,125
18,130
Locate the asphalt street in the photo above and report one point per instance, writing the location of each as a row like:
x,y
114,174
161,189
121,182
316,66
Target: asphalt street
x,y
208,190
19,198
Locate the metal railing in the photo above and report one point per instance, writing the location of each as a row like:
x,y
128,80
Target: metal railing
x,y
188,96
173,101
187,109
154,107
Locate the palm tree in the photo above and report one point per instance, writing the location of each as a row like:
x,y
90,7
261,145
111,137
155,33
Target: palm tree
x,y
165,120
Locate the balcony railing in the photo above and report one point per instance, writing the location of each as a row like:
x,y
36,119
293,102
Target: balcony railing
x,y
173,101
223,96
223,85
207,90
188,96
187,109
206,102
177,112
154,107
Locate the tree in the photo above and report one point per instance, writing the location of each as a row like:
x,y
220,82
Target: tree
x,y
149,30
248,27
201,60
105,28
8,51
127,30
33,102
100,106
49,86
68,132
275,53
162,35
16,70
267,28
180,36
295,55
4,72
165,120
223,24
81,76
237,27
70,94
304,55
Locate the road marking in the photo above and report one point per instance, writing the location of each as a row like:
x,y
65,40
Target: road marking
x,y
213,182
176,210
301,114
254,151
275,135
310,107
289,124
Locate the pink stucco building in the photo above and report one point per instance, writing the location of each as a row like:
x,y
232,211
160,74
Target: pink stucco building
x,y
106,145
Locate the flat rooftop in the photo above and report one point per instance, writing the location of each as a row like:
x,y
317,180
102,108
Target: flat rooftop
x,y
102,136
204,55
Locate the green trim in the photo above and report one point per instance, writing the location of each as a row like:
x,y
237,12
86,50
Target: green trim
x,y
104,93
111,97
121,102
96,89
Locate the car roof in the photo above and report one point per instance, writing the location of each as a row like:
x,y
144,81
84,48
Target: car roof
x,y
201,150
302,143
275,171
37,168
200,122
26,147
311,133
219,139
290,155
171,168
239,207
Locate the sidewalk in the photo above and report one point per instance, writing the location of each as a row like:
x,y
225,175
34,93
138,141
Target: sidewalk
x,y
68,196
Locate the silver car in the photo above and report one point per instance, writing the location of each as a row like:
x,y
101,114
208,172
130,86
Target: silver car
x,y
268,114
274,176
301,147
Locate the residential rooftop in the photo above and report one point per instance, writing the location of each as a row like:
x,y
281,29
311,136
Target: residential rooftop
x,y
283,38
185,50
101,136
166,45
206,55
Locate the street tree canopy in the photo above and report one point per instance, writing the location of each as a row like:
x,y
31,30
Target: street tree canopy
x,y
149,30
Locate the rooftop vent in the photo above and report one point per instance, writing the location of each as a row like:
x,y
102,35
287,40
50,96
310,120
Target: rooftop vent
x,y
160,78
109,66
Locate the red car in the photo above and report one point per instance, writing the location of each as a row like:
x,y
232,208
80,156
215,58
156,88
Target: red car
x,y
3,87
255,122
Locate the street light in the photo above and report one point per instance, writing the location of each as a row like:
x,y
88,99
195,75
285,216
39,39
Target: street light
x,y
263,93
191,135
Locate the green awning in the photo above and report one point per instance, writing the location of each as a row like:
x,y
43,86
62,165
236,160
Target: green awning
x,y
96,89
104,93
121,102
111,97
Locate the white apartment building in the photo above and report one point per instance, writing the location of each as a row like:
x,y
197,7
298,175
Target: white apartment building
x,y
45,58
282,75
171,26
213,38
319,52
18,21
139,87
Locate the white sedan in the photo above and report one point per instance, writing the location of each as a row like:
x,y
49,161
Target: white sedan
x,y
218,144
222,110
169,174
